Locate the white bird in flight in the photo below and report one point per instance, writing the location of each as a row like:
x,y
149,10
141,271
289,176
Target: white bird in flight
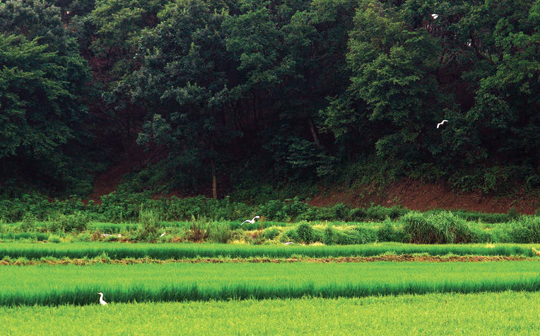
x,y
442,122
164,233
250,221
101,301
434,16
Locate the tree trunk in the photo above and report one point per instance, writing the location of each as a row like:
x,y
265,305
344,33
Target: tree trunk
x,y
214,180
314,133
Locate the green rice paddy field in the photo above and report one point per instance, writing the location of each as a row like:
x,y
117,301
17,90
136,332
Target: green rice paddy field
x,y
506,313
230,298
57,285
185,251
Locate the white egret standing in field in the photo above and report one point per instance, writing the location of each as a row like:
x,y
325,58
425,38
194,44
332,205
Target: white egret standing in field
x,y
250,221
101,301
442,122
434,16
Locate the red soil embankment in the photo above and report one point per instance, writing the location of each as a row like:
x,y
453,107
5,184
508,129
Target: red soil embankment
x,y
416,195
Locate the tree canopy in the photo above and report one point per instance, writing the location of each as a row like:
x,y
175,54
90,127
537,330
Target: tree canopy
x,y
224,90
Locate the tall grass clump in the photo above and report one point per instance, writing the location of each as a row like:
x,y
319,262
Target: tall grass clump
x,y
219,232
389,233
439,228
271,233
29,223
526,230
305,233
77,222
149,224
198,230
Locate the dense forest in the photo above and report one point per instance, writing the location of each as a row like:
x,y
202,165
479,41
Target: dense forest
x,y
226,92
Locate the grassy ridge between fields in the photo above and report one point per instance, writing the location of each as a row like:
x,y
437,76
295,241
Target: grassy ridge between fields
x,y
49,285
187,251
507,313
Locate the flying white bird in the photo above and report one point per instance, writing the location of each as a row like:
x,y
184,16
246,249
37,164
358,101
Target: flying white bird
x,y
164,233
442,122
101,301
434,16
250,221
288,243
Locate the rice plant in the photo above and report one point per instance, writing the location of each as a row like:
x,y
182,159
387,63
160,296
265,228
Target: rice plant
x,y
189,251
507,313
54,285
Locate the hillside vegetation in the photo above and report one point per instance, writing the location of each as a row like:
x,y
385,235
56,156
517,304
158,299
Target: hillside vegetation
x,y
225,93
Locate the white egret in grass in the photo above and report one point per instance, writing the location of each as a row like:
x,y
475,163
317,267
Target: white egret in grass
x,y
288,243
442,122
101,301
434,16
164,233
251,221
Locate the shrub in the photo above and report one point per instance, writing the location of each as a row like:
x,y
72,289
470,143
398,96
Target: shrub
x,y
54,239
29,223
358,214
290,235
77,222
346,238
329,236
381,213
149,224
513,214
364,235
275,210
54,226
219,233
84,237
198,230
388,233
271,233
305,233
440,228
96,236
527,230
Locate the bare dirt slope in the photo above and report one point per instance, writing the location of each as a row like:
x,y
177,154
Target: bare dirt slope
x,y
416,195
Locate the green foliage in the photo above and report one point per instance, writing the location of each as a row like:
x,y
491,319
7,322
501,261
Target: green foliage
x,y
76,222
526,230
388,232
54,239
42,80
329,236
220,233
29,223
305,233
271,233
440,228
300,91
150,223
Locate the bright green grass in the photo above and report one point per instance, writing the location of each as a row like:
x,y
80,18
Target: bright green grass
x,y
182,251
55,285
505,313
